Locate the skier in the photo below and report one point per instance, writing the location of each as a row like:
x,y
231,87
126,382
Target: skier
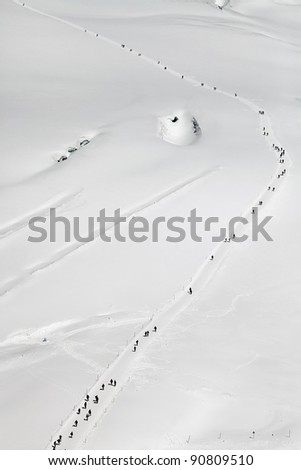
x,y
134,349
115,383
102,387
260,203
175,119
212,257
89,412
87,398
96,399
155,329
137,342
78,411
111,382
75,424
85,405
70,435
189,291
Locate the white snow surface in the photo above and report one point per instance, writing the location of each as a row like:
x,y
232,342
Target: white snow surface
x,y
224,361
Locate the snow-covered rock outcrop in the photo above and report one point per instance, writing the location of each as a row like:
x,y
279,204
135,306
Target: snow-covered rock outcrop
x,y
221,3
180,128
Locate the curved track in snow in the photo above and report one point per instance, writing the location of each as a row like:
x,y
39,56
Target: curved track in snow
x,y
120,369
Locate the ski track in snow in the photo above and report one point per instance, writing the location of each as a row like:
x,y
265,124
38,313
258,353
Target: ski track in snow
x,y
20,223
120,369
72,247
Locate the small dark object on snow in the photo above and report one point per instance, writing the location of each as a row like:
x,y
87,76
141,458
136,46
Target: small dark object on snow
x,y
196,127
165,68
139,55
155,329
75,424
189,291
85,406
122,45
260,203
134,349
62,158
96,399
102,387
78,411
87,398
72,149
70,435
211,257
175,119
84,142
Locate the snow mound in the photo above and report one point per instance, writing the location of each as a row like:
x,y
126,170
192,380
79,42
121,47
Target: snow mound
x,y
221,3
180,128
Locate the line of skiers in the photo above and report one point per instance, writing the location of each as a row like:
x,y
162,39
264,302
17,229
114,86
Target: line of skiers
x,y
146,335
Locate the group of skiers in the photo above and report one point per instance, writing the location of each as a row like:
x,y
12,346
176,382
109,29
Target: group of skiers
x,y
146,335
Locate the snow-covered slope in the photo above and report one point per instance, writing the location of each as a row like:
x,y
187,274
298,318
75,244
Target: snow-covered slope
x,y
231,350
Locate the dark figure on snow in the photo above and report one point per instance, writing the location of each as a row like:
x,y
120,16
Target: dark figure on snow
x,y
211,257
115,383
78,411
137,342
189,291
59,439
111,382
134,349
87,398
260,203
155,329
75,423
175,119
102,387
96,399
85,405
70,435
